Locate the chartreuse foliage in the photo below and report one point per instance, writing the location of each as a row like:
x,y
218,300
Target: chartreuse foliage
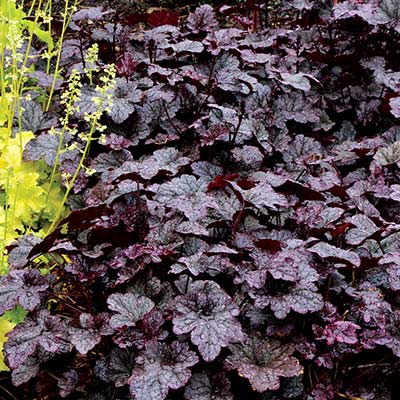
x,y
21,185
31,195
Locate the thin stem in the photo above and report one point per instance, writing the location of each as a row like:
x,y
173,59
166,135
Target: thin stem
x,y
65,302
8,392
78,169
47,10
16,105
66,21
209,83
5,217
177,130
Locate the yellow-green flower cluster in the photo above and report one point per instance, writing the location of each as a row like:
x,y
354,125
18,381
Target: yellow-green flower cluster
x,y
70,98
104,96
91,59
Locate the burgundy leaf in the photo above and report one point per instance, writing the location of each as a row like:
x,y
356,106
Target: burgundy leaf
x,y
163,17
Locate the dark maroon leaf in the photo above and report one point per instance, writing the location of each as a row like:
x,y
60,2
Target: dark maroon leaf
x,y
163,17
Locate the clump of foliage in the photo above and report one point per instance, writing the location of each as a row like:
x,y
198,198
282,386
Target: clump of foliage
x,y
238,234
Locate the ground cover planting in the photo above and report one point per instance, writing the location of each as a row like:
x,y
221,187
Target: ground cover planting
x,y
225,216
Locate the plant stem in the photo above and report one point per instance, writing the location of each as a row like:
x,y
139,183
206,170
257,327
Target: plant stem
x,y
66,20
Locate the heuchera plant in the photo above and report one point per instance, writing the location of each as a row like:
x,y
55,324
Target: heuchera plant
x,y
239,237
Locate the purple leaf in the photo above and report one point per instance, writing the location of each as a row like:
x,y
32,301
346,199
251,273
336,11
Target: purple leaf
x,y
187,47
42,331
392,268
340,332
130,308
395,106
188,195
263,362
302,149
364,229
22,287
369,12
160,368
282,265
92,13
251,56
202,20
248,155
124,95
208,314
262,196
325,250
203,387
293,106
388,155
223,39
19,251
89,334
146,331
169,160
34,119
297,81
300,296
199,263
68,383
120,366
30,367
43,146
228,75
